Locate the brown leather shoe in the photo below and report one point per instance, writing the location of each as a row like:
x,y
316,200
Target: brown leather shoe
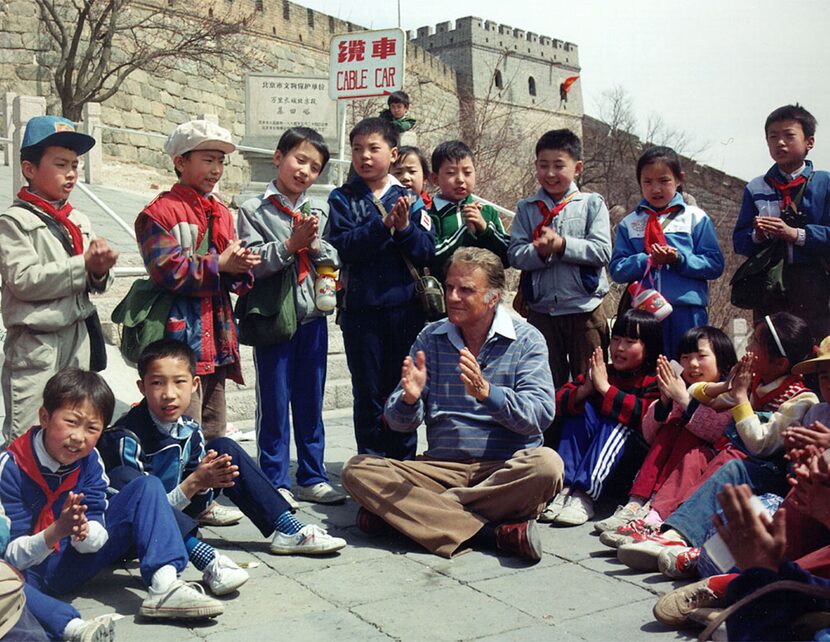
x,y
521,539
370,523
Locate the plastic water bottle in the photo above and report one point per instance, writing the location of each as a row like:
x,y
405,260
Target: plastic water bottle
x,y
325,288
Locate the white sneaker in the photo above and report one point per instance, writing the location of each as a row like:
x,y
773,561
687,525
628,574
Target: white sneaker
x,y
553,508
223,575
320,493
99,629
288,496
217,515
578,509
309,540
181,601
622,516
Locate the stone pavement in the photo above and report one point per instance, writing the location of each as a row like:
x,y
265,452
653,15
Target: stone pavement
x,y
389,588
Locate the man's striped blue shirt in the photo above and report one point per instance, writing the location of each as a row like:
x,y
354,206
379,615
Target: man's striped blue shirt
x,y
521,405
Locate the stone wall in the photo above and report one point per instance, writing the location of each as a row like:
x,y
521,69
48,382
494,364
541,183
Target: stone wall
x,y
288,39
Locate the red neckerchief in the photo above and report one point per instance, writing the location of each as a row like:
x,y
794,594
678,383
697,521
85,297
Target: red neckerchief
x,y
786,189
549,215
25,459
654,231
765,402
303,262
60,215
427,199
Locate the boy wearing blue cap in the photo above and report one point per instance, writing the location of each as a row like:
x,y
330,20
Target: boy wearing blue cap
x,y
50,261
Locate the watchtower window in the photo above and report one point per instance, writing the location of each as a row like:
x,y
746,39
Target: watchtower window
x,y
497,80
531,86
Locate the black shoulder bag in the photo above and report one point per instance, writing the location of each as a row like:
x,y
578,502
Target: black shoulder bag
x,y
428,289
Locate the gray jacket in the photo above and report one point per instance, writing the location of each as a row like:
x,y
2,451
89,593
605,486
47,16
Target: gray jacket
x,y
265,229
576,281
44,289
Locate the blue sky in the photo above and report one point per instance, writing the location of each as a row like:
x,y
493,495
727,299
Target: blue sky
x,y
712,68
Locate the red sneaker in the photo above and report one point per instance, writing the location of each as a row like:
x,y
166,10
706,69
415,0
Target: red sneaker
x,y
642,554
521,539
677,562
633,531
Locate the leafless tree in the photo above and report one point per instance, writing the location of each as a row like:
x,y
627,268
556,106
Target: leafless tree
x,y
99,43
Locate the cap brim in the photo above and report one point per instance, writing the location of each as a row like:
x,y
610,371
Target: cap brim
x,y
218,145
810,366
76,141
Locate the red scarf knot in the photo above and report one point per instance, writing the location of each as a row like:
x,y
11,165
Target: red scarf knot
x,y
303,261
25,459
654,234
60,215
786,189
549,215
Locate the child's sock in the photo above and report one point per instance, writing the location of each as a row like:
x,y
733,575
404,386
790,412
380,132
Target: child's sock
x,y
200,554
288,524
635,501
74,629
163,578
653,517
719,583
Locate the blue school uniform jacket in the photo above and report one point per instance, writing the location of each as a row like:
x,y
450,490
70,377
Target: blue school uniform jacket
x,y
815,205
136,442
22,500
691,233
374,274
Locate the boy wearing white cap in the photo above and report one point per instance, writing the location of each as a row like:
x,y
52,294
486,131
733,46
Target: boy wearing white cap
x,y
186,237
50,261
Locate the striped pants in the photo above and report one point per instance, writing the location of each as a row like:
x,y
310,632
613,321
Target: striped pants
x,y
593,447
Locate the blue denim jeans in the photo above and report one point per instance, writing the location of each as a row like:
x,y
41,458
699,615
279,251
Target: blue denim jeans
x,y
693,517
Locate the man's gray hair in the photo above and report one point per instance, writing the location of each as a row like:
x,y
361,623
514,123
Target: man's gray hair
x,y
487,261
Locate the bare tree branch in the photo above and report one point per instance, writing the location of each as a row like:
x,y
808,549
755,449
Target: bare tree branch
x,y
99,43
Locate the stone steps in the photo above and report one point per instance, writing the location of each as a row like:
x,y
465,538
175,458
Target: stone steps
x,y
241,399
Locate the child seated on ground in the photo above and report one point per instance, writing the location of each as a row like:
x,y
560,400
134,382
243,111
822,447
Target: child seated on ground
x,y
44,617
412,170
397,112
762,549
805,513
561,240
157,440
765,398
460,220
602,412
63,530
680,430
289,228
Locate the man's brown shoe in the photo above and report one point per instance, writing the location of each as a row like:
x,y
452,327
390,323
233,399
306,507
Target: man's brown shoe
x,y
370,523
521,539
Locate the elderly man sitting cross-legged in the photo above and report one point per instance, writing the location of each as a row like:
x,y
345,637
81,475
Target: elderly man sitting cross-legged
x,y
480,381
